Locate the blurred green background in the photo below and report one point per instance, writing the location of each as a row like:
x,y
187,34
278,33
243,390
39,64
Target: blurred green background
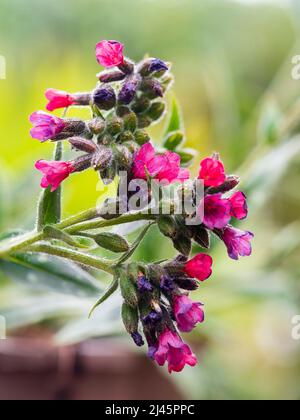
x,y
232,62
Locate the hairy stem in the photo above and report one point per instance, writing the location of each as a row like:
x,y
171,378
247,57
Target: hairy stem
x,y
72,255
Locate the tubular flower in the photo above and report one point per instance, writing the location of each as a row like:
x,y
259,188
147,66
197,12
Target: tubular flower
x,y
54,173
174,351
46,126
239,208
110,53
200,267
217,211
238,242
212,172
58,99
164,167
187,313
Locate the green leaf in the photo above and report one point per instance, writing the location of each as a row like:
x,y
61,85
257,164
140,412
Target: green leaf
x,y
187,156
176,121
49,206
52,232
110,290
52,273
173,140
269,124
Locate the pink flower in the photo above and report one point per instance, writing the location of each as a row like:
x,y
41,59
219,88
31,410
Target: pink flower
x,y
238,242
216,211
212,172
173,350
58,99
110,53
200,267
46,126
164,167
187,313
239,208
54,172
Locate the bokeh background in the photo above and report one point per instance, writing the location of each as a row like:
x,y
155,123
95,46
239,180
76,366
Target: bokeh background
x,y
233,67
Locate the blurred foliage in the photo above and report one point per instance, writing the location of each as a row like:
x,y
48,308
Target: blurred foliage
x,y
233,76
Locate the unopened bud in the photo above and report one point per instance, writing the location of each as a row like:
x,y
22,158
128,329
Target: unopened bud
x,y
128,290
167,226
110,77
105,98
122,111
152,88
123,157
129,89
82,163
186,283
102,158
144,121
126,137
141,105
130,318
72,127
130,122
154,273
112,242
156,110
230,183
131,146
142,137
97,126
115,126
83,145
108,174
174,140
153,65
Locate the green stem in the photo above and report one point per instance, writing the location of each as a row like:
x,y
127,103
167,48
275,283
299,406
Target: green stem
x,y
100,223
30,238
72,255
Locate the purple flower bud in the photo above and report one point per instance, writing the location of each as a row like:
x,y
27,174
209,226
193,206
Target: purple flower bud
x,y
144,285
157,65
138,339
129,89
110,77
167,284
152,318
104,98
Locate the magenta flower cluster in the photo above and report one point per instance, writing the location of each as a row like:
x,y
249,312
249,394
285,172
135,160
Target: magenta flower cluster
x,y
127,100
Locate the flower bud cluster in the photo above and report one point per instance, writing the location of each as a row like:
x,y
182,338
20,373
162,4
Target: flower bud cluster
x,y
126,101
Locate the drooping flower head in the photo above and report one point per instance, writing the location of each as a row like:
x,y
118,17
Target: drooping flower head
x,y
164,167
217,211
212,172
58,99
174,351
54,172
238,242
110,53
46,126
239,208
200,267
187,313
